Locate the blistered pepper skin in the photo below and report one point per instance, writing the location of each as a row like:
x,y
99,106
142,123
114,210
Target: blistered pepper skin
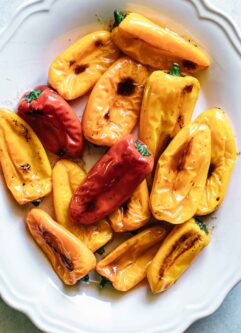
x,y
126,265
53,120
67,176
223,157
167,107
135,213
111,181
114,104
156,46
176,253
76,70
70,258
181,175
24,162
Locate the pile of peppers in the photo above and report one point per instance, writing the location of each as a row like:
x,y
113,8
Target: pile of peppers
x,y
153,186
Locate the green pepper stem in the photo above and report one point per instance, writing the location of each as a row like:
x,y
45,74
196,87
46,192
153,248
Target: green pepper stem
x,y
175,71
34,94
118,16
201,225
142,148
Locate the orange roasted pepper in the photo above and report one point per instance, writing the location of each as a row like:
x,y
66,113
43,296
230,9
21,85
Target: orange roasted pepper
x,y
75,71
114,104
156,46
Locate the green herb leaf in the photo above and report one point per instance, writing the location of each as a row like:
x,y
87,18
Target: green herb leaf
x,y
118,16
101,250
34,94
104,281
85,279
175,71
142,148
202,225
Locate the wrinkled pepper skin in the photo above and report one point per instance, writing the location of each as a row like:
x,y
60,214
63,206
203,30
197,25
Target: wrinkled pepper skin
x,y
181,175
176,253
24,162
167,107
114,104
126,265
70,258
111,181
66,177
53,120
76,70
133,214
223,157
158,47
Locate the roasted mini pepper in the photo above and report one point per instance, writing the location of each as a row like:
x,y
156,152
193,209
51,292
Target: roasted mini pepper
x,y
75,71
223,157
134,213
111,181
24,163
126,265
54,121
168,103
114,104
181,175
176,253
67,176
156,46
70,258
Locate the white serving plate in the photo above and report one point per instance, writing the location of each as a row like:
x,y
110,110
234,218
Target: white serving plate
x,y
37,32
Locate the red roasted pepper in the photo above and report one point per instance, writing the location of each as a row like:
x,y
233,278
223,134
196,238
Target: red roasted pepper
x,y
53,120
111,181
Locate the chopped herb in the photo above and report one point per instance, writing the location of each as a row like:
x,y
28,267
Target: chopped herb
x,y
101,250
34,94
201,225
142,148
85,279
36,202
104,281
175,71
118,16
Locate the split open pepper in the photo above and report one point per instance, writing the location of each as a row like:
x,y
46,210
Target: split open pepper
x,y
156,46
53,120
111,181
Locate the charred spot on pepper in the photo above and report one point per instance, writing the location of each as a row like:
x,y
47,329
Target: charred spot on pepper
x,y
218,198
99,43
25,167
126,87
26,133
36,202
211,170
71,63
187,89
179,159
189,64
180,121
90,206
107,115
80,68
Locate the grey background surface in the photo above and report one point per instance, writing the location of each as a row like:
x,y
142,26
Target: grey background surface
x,y
227,319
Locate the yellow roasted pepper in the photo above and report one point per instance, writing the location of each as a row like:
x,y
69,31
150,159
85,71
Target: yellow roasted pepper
x,y
181,175
67,176
176,253
24,163
75,71
156,46
223,157
126,265
114,104
70,258
168,103
135,213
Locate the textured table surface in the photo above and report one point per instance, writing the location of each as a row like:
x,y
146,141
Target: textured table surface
x,y
226,319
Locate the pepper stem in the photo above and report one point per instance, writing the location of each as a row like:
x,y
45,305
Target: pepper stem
x,y
34,94
142,148
175,71
118,16
201,225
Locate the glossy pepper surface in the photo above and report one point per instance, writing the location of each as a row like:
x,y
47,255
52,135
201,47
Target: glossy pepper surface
x,y
70,258
168,103
54,121
176,253
24,162
126,265
114,104
67,176
75,71
181,175
223,157
156,46
111,181
134,213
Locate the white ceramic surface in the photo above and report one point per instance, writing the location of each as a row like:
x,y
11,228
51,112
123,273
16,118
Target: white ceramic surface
x,y
37,32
